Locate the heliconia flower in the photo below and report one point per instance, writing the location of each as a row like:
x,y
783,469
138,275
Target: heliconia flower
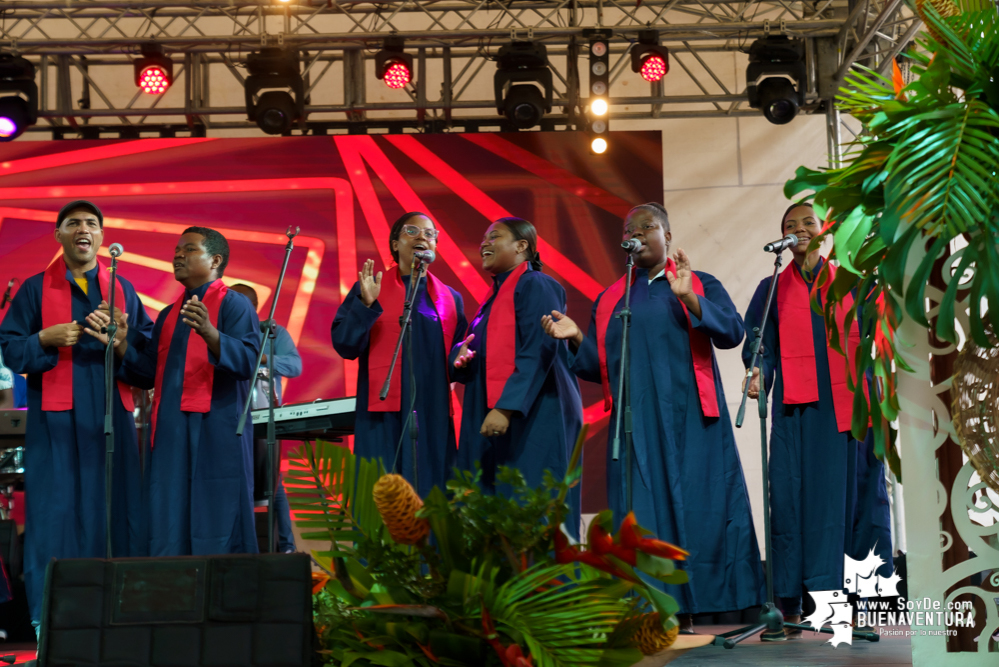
x,y
632,539
319,580
510,656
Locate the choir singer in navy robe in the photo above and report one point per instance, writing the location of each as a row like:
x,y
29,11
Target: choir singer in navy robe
x,y
522,406
199,361
367,326
687,481
43,336
828,496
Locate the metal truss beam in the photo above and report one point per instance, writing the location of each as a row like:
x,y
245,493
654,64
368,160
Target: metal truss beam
x,y
84,51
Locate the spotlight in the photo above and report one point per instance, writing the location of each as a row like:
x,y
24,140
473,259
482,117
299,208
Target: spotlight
x,y
775,77
648,58
598,113
153,71
598,107
393,65
526,65
275,71
598,146
18,96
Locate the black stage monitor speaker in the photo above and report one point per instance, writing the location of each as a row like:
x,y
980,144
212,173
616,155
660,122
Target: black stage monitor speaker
x,y
189,611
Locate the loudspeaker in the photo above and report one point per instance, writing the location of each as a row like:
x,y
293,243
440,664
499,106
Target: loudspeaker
x,y
189,611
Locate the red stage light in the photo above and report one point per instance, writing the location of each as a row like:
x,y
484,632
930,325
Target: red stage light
x,y
397,75
653,68
154,80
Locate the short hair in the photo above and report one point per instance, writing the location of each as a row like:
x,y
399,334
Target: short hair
x,y
214,244
658,212
522,230
397,226
790,208
249,289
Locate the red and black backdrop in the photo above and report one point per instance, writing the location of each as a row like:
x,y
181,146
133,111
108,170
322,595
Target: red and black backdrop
x,y
343,192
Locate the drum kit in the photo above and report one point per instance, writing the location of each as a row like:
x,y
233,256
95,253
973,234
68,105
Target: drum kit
x,y
12,427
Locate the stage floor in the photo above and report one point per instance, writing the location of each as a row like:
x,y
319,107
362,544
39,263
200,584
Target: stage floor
x,y
812,650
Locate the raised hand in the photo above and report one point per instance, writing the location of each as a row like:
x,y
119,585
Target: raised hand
x,y
682,283
98,322
464,354
561,327
60,335
369,283
754,384
195,315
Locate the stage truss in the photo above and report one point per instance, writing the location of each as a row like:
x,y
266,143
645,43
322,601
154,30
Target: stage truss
x,y
84,52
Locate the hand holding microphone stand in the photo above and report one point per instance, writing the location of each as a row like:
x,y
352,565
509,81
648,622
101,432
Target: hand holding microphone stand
x,y
421,261
771,620
269,328
111,330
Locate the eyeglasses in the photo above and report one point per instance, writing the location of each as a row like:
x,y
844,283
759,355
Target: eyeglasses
x,y
630,229
414,231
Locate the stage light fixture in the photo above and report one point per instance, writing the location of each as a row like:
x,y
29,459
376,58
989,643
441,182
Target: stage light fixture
x,y
648,58
275,71
775,77
154,70
599,107
598,110
18,96
393,65
523,83
598,145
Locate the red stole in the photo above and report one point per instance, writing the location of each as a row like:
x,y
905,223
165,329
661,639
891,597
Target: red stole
x,y
57,308
385,333
501,337
797,353
700,345
199,373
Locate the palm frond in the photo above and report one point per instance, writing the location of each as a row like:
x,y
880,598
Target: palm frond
x,y
331,493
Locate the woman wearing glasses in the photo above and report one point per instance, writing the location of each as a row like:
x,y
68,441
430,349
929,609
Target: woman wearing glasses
x,y
522,406
367,325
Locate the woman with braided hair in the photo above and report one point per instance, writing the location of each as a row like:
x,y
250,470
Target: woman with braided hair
x,y
522,406
687,481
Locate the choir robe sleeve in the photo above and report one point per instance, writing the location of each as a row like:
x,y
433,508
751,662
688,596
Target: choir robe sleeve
x,y
585,362
138,365
287,361
352,324
536,350
22,353
140,327
719,318
753,319
239,338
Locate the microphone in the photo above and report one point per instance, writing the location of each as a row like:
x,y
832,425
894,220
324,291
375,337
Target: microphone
x,y
116,250
425,256
788,241
632,245
6,295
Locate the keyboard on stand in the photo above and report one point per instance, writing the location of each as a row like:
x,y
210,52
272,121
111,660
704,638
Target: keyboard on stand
x,y
309,421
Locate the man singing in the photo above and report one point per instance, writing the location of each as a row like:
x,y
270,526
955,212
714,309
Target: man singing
x,y
199,480
42,336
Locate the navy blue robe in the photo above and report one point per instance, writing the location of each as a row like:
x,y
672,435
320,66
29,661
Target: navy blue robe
x,y
376,434
541,392
199,479
687,480
827,491
65,451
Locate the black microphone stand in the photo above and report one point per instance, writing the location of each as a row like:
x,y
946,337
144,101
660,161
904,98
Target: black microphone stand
x,y
771,619
419,268
623,390
112,331
269,326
